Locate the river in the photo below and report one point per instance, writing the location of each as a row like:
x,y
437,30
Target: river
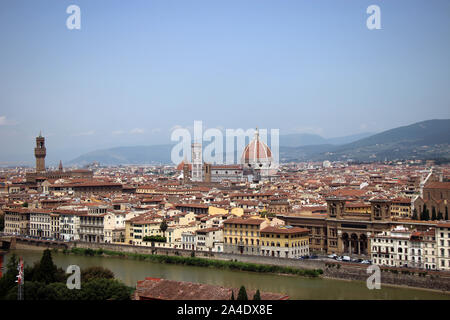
x,y
130,271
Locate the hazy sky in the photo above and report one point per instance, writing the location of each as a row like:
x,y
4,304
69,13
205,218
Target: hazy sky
x,y
136,69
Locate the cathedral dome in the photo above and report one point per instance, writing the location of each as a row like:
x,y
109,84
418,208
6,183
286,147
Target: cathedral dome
x,y
256,153
181,165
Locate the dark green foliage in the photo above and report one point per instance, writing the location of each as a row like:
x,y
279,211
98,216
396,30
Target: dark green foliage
x,y
44,281
433,214
425,215
45,271
96,273
25,204
163,226
96,289
446,213
232,295
104,289
2,222
242,295
415,216
257,295
154,239
9,277
440,216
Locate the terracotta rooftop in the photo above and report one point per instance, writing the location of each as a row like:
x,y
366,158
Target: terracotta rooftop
x,y
244,221
163,289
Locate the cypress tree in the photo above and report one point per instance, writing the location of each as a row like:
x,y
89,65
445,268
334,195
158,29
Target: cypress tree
x,y
415,214
46,270
433,214
422,214
257,295
232,295
426,215
242,295
440,216
446,213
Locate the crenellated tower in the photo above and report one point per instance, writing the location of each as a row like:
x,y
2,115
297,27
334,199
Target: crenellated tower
x,y
40,152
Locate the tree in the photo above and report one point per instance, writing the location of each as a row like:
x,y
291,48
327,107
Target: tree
x,y
163,227
415,217
8,281
2,222
425,213
232,295
440,216
25,204
422,214
433,214
96,273
105,289
45,271
242,295
446,213
257,295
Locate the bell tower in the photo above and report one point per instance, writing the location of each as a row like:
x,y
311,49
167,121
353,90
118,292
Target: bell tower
x,y
40,152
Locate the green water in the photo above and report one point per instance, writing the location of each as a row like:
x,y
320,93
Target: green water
x,y
130,271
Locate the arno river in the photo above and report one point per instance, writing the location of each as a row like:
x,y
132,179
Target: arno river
x,y
130,271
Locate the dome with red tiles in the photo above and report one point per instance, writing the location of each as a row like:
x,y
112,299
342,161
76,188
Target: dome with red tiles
x,y
181,165
256,153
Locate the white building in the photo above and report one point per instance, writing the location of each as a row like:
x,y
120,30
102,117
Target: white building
x,y
40,223
209,239
390,248
188,240
69,225
443,246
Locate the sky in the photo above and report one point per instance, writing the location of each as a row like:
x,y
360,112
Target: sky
x,y
138,69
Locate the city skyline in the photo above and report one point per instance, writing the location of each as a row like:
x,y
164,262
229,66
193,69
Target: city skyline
x,y
133,73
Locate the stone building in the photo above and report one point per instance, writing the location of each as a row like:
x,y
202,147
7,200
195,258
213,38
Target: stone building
x,y
342,232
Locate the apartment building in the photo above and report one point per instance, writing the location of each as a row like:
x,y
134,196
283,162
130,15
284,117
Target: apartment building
x,y
92,227
284,242
443,246
209,239
390,248
40,223
241,235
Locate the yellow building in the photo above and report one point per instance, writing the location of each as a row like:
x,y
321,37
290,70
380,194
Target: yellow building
x,y
241,236
142,226
358,207
284,242
401,208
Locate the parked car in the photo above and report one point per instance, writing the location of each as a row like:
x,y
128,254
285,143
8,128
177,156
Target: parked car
x,y
365,262
346,258
339,258
313,256
332,256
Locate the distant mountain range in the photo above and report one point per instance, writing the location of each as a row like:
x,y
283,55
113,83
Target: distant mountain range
x,y
306,139
423,140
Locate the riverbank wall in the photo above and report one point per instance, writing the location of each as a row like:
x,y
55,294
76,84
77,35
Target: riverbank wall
x,y
388,276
